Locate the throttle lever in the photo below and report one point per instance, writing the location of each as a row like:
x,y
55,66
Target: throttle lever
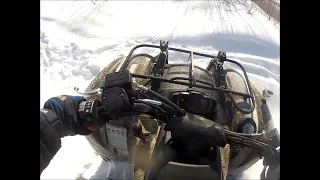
x,y
136,130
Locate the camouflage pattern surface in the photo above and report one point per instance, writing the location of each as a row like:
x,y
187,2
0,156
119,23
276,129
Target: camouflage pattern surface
x,y
142,154
225,158
235,82
140,151
98,138
225,154
247,156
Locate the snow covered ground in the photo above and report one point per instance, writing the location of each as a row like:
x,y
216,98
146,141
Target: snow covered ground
x,y
78,38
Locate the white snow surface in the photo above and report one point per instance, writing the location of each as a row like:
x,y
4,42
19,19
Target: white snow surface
x,y
79,38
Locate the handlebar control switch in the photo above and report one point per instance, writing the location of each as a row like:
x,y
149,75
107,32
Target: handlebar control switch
x,y
87,112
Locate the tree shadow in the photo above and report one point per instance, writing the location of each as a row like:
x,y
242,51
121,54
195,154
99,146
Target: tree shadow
x,y
236,43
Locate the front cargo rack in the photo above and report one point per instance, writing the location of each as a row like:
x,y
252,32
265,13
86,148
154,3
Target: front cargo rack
x,y
217,62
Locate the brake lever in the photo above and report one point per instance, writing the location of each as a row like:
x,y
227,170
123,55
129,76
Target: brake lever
x,y
89,93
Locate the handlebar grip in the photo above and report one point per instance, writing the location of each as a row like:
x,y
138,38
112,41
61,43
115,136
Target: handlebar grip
x,y
183,127
216,132
267,117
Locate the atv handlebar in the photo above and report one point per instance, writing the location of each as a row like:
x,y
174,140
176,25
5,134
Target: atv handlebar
x,y
120,97
93,115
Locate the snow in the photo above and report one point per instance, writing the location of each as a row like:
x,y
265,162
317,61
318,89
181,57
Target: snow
x,y
79,38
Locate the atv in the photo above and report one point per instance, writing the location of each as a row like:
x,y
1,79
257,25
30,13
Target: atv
x,y
229,128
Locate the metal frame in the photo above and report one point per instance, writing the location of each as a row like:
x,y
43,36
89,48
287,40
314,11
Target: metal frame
x,y
192,82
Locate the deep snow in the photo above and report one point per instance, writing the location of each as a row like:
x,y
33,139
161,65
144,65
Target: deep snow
x,y
78,38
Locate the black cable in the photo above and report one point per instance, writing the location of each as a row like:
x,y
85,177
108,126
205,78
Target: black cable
x,y
163,105
250,140
232,140
245,111
242,134
178,110
196,85
151,105
263,148
146,95
168,108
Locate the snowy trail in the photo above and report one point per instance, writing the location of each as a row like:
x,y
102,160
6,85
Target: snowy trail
x,y
80,38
